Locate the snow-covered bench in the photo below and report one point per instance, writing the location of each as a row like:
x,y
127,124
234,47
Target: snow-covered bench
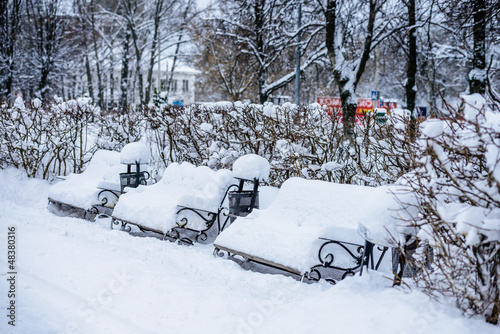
x,y
190,204
184,205
311,230
97,189
79,194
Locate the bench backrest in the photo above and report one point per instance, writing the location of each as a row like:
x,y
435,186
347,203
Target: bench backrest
x,y
197,187
332,210
80,190
104,165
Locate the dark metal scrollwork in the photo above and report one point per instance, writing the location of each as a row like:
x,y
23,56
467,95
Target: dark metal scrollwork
x,y
220,253
124,226
92,211
185,235
104,199
334,272
313,275
223,223
201,237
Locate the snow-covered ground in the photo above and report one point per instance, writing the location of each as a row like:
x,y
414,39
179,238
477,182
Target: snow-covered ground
x,y
75,276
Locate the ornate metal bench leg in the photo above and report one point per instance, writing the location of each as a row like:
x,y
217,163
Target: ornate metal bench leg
x,y
367,256
384,250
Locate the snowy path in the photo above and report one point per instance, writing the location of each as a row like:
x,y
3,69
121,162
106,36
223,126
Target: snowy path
x,y
81,277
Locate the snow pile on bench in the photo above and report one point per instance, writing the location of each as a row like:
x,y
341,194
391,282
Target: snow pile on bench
x,y
288,231
250,167
155,206
80,190
134,153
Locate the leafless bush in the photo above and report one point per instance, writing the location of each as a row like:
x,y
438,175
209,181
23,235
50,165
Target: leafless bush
x,y
457,184
45,139
116,128
298,141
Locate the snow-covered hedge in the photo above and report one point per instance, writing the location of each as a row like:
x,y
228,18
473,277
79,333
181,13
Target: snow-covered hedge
x,y
297,141
58,138
46,139
457,184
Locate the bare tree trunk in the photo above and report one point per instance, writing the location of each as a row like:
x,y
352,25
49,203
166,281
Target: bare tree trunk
x,y
138,68
477,77
412,67
125,74
345,79
111,74
9,27
100,88
131,26
157,16
259,42
89,77
177,47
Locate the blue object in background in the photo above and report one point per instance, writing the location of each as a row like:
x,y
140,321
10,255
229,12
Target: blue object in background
x,y
179,103
380,103
422,111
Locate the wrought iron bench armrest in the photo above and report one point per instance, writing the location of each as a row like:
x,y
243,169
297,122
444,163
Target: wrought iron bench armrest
x,y
368,256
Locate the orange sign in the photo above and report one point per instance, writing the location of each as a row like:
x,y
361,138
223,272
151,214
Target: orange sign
x,y
364,106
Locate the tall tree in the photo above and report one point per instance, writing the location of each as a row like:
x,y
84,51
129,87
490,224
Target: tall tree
x,y
10,12
124,80
51,43
348,68
477,76
181,39
157,14
97,55
411,70
251,42
476,23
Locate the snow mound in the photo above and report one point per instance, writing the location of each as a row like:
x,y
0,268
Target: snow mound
x,y
251,166
18,188
207,127
269,111
134,153
80,190
81,277
19,103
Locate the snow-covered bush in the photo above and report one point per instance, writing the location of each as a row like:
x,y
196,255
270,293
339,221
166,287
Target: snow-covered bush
x,y
457,184
297,141
386,151
45,139
117,128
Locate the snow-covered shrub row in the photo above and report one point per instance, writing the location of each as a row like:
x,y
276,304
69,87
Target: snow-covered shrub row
x,y
297,141
46,139
457,183
116,129
49,139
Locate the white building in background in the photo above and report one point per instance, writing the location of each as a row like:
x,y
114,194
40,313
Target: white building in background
x,y
182,85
